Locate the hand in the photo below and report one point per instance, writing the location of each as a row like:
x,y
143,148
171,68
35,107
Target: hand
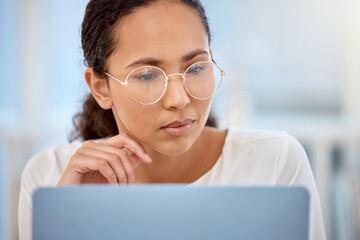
x,y
111,161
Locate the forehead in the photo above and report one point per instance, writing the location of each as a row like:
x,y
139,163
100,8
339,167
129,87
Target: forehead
x,y
162,28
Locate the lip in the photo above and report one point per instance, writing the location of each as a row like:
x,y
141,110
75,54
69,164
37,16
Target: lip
x,y
178,128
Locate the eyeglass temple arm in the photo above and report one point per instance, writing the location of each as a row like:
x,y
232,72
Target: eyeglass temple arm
x,y
222,71
121,82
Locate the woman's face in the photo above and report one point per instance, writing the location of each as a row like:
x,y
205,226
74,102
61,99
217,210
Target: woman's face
x,y
170,36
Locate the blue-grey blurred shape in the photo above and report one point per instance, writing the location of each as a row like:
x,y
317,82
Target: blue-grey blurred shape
x,y
171,212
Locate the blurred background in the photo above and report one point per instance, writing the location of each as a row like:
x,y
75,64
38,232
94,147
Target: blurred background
x,y
291,65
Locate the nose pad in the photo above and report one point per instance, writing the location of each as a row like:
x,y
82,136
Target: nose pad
x,y
176,96
181,78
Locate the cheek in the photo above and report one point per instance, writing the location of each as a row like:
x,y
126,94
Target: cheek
x,y
203,109
131,117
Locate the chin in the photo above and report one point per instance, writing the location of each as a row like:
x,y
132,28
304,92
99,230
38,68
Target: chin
x,y
173,148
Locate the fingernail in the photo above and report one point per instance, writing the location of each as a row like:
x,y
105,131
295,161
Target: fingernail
x,y
147,157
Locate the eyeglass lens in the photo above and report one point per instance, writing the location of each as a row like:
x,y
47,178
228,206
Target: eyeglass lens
x,y
147,84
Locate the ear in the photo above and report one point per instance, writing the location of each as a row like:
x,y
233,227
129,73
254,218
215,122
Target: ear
x,y
99,89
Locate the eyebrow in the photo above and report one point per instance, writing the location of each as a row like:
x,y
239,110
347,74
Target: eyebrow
x,y
157,62
193,54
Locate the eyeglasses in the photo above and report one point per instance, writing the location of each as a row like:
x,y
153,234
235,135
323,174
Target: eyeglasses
x,y
147,84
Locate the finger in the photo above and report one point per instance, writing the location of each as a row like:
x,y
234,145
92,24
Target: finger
x,y
112,156
124,141
83,164
129,164
129,169
135,161
132,157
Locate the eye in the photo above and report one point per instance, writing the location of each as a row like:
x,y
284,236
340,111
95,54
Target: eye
x,y
195,69
146,74
146,77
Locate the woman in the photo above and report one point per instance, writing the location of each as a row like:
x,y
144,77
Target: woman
x,y
152,79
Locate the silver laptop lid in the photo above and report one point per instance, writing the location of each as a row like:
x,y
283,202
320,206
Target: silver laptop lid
x,y
171,212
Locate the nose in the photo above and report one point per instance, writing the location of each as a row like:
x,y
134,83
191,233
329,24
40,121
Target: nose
x,y
176,96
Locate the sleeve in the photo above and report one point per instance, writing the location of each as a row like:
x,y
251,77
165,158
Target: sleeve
x,y
294,169
25,208
42,170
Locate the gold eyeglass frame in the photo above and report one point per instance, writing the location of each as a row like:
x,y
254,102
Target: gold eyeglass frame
x,y
125,83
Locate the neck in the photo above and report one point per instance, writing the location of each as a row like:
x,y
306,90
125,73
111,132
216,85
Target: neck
x,y
183,168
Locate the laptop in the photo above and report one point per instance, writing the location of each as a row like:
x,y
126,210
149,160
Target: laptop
x,y
171,212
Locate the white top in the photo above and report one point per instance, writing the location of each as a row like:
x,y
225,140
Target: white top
x,y
248,158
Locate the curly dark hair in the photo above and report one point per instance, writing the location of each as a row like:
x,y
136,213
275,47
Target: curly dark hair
x,y
98,43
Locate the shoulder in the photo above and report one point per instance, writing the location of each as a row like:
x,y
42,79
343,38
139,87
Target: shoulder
x,y
263,154
45,168
277,144
238,137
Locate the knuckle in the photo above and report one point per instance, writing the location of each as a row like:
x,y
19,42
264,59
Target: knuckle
x,y
103,165
88,143
79,150
112,175
75,158
108,173
76,155
72,164
114,158
122,153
